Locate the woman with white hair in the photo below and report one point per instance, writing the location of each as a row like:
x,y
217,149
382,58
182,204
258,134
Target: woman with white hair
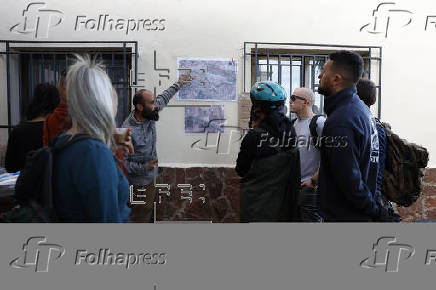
x,y
88,185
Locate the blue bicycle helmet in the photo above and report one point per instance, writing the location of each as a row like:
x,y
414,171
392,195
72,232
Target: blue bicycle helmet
x,y
269,94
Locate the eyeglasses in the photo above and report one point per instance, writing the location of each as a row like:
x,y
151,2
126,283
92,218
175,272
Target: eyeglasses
x,y
294,97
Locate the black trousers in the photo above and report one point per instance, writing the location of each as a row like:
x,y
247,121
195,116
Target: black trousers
x,y
307,205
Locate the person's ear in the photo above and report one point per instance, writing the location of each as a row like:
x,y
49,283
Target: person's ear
x,y
139,107
337,79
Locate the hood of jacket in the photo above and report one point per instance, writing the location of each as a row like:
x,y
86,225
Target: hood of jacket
x,y
277,124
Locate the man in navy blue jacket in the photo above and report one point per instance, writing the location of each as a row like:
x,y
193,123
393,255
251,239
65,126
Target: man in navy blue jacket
x,y
349,145
367,91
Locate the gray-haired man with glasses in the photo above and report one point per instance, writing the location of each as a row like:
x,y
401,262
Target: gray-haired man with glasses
x,y
308,127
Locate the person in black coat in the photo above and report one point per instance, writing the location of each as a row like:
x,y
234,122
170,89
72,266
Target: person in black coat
x,y
268,160
27,136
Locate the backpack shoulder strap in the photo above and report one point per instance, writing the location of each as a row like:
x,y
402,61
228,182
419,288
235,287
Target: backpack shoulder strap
x,y
48,131
378,122
386,127
72,139
313,126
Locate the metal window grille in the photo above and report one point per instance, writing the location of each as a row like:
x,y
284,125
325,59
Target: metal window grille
x,y
294,65
31,63
25,64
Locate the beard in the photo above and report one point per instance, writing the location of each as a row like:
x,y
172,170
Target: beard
x,y
150,115
325,91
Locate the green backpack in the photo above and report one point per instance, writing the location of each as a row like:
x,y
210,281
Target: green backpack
x,y
404,169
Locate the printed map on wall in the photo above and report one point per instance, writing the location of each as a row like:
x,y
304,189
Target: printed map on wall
x,y
213,79
204,119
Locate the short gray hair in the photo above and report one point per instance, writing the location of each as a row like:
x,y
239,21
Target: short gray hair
x,y
90,98
306,93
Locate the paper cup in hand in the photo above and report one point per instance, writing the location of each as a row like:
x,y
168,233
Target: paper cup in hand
x,y
120,135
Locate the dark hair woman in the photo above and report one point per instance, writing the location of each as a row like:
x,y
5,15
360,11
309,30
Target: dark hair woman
x,y
27,136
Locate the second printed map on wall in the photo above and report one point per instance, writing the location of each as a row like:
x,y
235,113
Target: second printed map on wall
x,y
204,119
213,79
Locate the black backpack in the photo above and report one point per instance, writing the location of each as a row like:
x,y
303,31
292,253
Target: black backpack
x,y
312,128
34,187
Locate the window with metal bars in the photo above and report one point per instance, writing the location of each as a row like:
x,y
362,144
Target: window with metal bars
x,y
295,65
39,68
303,72
25,64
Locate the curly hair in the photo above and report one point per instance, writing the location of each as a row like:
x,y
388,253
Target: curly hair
x,y
367,91
45,99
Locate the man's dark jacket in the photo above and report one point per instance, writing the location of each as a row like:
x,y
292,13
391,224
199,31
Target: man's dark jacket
x,y
349,142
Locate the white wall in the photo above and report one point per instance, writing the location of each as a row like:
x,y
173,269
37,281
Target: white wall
x,y
218,29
